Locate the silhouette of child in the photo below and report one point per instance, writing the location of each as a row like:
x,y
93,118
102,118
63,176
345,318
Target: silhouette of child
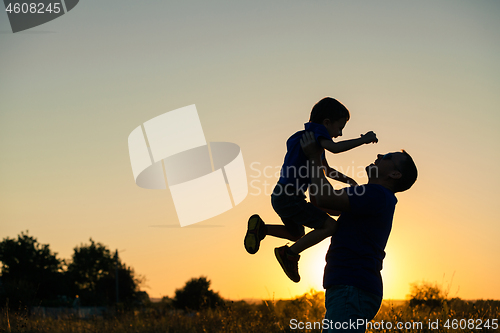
x,y
327,120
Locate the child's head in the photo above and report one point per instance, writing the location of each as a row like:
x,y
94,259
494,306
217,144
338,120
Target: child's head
x,y
328,108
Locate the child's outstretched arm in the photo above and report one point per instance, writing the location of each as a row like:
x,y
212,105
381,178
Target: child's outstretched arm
x,y
337,175
341,146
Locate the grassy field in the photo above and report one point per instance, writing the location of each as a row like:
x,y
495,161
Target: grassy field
x,y
454,315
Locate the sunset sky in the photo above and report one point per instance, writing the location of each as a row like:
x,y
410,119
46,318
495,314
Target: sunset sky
x,y
425,76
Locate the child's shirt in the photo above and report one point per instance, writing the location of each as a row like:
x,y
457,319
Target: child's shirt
x,y
295,169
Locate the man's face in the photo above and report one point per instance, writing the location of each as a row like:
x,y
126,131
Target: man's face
x,y
385,164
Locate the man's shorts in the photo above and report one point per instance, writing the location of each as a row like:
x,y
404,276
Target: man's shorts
x,y
295,211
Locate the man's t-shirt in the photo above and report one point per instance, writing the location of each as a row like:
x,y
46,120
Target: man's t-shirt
x,y
357,249
295,170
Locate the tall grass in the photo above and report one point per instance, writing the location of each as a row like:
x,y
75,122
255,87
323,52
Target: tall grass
x,y
454,315
266,317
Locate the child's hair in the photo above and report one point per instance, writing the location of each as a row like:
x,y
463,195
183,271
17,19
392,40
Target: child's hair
x,y
328,108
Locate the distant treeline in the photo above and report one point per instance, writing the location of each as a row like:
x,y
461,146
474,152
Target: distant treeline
x,y
32,275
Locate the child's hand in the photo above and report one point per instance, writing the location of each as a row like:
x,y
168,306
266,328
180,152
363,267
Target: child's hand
x,y
309,145
369,137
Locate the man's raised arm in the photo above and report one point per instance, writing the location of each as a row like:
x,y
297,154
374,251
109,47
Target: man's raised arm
x,y
320,187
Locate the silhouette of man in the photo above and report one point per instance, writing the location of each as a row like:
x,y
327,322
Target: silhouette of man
x,y
354,260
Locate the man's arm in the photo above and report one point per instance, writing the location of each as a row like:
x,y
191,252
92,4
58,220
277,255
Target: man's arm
x,y
325,195
341,146
337,175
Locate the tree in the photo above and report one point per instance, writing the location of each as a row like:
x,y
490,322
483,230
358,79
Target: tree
x,y
425,294
196,295
92,272
31,273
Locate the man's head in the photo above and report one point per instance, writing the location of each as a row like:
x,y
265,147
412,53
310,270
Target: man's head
x,y
328,108
396,171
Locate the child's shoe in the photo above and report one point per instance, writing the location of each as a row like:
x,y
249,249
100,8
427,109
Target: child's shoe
x,y
289,262
255,233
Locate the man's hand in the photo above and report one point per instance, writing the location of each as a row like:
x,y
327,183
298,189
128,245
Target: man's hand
x,y
369,137
309,145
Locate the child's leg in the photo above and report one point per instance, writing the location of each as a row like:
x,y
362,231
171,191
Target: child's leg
x,y
302,214
315,236
257,230
281,231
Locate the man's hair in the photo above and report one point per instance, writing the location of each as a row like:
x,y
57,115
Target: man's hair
x,y
328,108
408,171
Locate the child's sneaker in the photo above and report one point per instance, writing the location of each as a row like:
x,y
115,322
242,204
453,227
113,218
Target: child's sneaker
x,y
255,233
289,262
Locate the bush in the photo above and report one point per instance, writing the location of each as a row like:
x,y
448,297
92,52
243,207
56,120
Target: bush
x,y
426,295
196,295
